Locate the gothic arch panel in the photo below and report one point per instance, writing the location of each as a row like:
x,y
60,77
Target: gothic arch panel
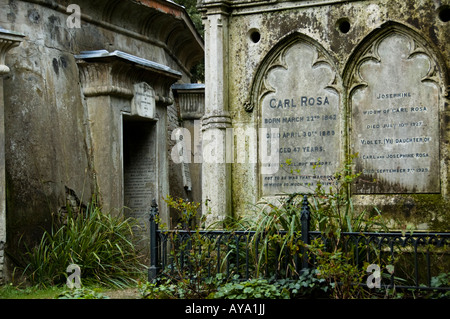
x,y
296,95
395,86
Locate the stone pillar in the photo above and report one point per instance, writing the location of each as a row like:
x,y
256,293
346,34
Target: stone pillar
x,y
216,170
104,87
8,40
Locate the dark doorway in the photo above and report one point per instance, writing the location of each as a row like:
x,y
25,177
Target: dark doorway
x,y
139,171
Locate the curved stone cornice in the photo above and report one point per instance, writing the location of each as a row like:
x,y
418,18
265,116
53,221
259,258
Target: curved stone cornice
x,y
104,73
191,100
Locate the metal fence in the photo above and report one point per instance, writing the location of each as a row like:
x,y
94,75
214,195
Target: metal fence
x,y
406,260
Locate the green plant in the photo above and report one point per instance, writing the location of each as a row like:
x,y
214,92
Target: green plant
x,y
332,208
251,289
278,225
187,210
159,290
10,291
170,287
309,285
441,280
190,253
337,268
100,244
277,231
82,293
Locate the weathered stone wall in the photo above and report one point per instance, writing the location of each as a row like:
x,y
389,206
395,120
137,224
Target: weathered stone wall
x,y
267,45
53,126
8,40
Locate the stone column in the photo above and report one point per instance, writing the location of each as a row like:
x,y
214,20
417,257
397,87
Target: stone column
x,y
8,40
216,170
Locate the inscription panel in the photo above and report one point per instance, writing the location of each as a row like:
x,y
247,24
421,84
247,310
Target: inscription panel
x,y
140,176
302,103
395,125
143,103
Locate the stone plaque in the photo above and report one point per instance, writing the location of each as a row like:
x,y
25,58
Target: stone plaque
x,y
143,103
395,122
140,176
301,101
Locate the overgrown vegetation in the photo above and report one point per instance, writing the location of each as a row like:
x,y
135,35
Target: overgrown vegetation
x,y
276,251
189,264
308,285
200,266
332,213
82,293
100,244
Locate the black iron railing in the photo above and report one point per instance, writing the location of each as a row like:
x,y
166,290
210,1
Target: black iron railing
x,y
407,260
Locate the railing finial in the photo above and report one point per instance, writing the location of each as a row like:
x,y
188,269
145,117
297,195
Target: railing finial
x,y
154,268
305,216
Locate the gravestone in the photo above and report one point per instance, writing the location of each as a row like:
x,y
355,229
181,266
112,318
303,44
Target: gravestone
x,y
395,124
301,101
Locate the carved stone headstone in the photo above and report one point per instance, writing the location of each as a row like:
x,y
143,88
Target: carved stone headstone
x,y
143,103
299,97
395,125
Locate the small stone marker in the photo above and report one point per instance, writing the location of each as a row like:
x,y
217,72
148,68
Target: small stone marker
x,y
143,103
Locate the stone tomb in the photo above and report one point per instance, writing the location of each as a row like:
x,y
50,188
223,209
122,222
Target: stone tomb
x,y
302,102
334,78
127,99
395,118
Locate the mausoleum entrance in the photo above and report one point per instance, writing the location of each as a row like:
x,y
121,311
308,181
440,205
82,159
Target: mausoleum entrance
x,y
140,172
